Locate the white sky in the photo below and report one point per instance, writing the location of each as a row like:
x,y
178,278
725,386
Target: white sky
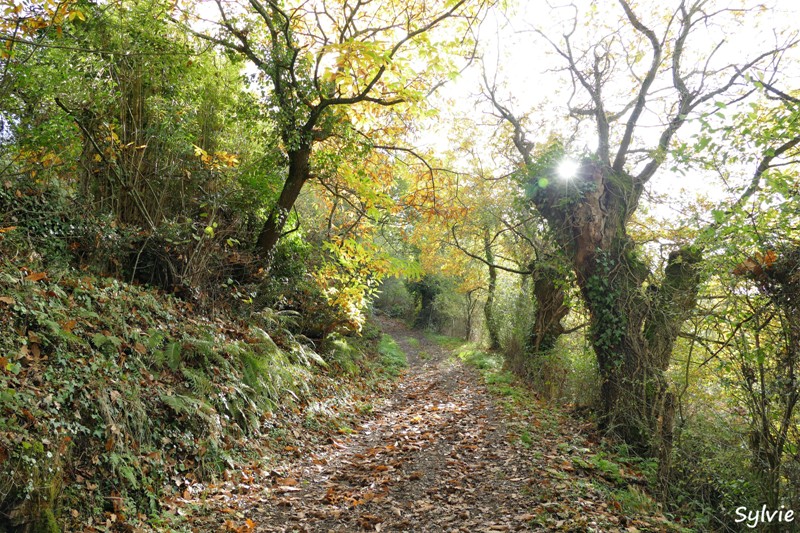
x,y
525,68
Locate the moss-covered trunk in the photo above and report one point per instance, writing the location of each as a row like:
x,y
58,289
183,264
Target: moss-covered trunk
x,y
634,318
551,308
492,326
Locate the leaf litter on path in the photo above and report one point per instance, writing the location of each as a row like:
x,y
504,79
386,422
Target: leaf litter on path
x,y
439,454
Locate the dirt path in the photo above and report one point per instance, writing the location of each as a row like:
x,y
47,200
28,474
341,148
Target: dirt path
x,y
433,459
439,455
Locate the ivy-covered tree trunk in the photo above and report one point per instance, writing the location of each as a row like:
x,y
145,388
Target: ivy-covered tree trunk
x,y
551,308
546,291
633,325
488,308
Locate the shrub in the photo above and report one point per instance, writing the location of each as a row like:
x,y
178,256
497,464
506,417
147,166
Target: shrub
x,y
116,388
395,300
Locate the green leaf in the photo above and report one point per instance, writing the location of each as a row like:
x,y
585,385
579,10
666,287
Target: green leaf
x,y
173,355
98,339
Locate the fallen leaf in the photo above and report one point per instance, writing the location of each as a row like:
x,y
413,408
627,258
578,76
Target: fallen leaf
x,y
36,276
7,300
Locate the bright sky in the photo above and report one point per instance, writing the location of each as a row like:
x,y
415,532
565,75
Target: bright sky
x,y
525,69
527,72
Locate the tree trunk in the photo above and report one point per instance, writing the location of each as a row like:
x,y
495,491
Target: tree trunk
x,y
665,447
468,326
633,327
531,362
550,310
488,308
272,231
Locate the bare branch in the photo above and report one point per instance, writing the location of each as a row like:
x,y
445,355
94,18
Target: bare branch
x,y
641,99
781,95
456,244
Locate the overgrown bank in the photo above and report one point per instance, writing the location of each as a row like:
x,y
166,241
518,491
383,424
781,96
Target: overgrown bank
x,y
114,397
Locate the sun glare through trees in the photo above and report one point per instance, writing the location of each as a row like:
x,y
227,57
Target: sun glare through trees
x,y
567,169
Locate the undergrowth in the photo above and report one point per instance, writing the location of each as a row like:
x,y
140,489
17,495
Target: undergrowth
x,y
393,360
111,393
620,476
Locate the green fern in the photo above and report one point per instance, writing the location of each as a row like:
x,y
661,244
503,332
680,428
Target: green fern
x,y
190,406
200,384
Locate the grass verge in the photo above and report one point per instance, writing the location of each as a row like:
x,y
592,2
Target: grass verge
x,y
392,358
545,432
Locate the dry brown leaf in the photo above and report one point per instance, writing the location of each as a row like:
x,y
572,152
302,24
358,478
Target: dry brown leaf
x,y
36,276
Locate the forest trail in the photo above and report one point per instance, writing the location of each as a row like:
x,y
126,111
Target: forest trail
x,y
442,453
